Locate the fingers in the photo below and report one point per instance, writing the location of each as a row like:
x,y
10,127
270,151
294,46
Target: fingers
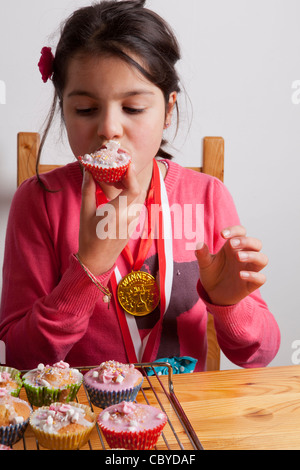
x,y
237,236
238,240
203,256
259,260
234,231
129,203
248,252
256,279
104,231
88,204
132,190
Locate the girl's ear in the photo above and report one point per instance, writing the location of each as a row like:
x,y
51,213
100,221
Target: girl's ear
x,y
170,108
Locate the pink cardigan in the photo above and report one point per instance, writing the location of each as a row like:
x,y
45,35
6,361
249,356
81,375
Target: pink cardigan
x,y
51,311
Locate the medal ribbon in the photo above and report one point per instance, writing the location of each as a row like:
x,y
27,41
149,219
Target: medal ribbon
x,y
136,349
146,241
165,259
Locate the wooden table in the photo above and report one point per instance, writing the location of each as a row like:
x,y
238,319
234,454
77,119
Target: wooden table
x,y
244,409
235,409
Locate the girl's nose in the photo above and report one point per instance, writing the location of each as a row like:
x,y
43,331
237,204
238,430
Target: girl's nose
x,y
110,126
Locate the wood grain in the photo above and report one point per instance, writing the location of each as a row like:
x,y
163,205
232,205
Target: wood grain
x,y
255,409
213,157
27,151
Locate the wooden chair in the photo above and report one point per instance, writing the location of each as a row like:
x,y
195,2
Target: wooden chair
x,y
28,146
213,164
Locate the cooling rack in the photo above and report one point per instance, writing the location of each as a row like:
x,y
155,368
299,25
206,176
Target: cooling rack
x,y
157,391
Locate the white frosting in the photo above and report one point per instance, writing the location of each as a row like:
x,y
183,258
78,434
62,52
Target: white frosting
x,y
130,416
7,401
109,157
105,416
113,375
57,416
58,374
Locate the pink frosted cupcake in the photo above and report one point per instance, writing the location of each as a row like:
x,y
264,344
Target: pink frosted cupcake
x,y
132,426
112,382
3,447
109,164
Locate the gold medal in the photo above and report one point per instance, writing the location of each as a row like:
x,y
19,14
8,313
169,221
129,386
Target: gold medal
x,y
138,293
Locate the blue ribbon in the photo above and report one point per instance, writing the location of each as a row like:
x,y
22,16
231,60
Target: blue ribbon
x,y
180,365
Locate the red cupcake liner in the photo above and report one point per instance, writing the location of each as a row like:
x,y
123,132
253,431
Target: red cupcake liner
x,y
106,175
140,440
3,447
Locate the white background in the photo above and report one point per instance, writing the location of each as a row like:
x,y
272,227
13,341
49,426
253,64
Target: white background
x,y
241,59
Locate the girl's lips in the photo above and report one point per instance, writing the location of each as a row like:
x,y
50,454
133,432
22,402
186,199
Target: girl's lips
x,y
123,151
120,150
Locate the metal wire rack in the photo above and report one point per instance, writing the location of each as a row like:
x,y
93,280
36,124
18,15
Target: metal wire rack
x,y
156,391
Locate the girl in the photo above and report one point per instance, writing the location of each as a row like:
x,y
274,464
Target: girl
x,y
115,79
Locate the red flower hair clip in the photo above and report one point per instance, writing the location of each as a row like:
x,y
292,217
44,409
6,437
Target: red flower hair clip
x,y
46,63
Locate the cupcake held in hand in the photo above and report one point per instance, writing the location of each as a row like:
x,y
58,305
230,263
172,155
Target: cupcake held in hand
x,y
109,164
48,384
112,382
63,426
133,426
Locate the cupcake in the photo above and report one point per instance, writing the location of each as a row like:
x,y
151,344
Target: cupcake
x,y
14,417
109,164
48,384
11,380
63,426
132,426
112,382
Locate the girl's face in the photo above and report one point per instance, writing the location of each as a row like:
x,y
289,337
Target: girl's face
x,y
106,99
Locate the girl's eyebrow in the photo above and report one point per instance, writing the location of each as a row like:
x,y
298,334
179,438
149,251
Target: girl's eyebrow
x,y
136,92
126,94
81,93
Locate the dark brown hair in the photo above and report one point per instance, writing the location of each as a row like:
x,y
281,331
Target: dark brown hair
x,y
118,28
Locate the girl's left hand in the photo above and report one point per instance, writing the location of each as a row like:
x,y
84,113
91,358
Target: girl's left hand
x,y
235,271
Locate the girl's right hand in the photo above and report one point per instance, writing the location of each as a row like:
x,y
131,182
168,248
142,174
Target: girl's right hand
x,y
99,253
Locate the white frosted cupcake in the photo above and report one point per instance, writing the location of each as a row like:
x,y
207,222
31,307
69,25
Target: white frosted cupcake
x,y
133,426
10,379
14,417
48,384
109,164
112,382
63,426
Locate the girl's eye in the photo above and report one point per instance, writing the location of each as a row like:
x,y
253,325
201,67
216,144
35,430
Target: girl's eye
x,y
85,111
129,110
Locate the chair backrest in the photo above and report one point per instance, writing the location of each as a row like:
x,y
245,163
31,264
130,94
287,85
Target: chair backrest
x,y
28,146
213,164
